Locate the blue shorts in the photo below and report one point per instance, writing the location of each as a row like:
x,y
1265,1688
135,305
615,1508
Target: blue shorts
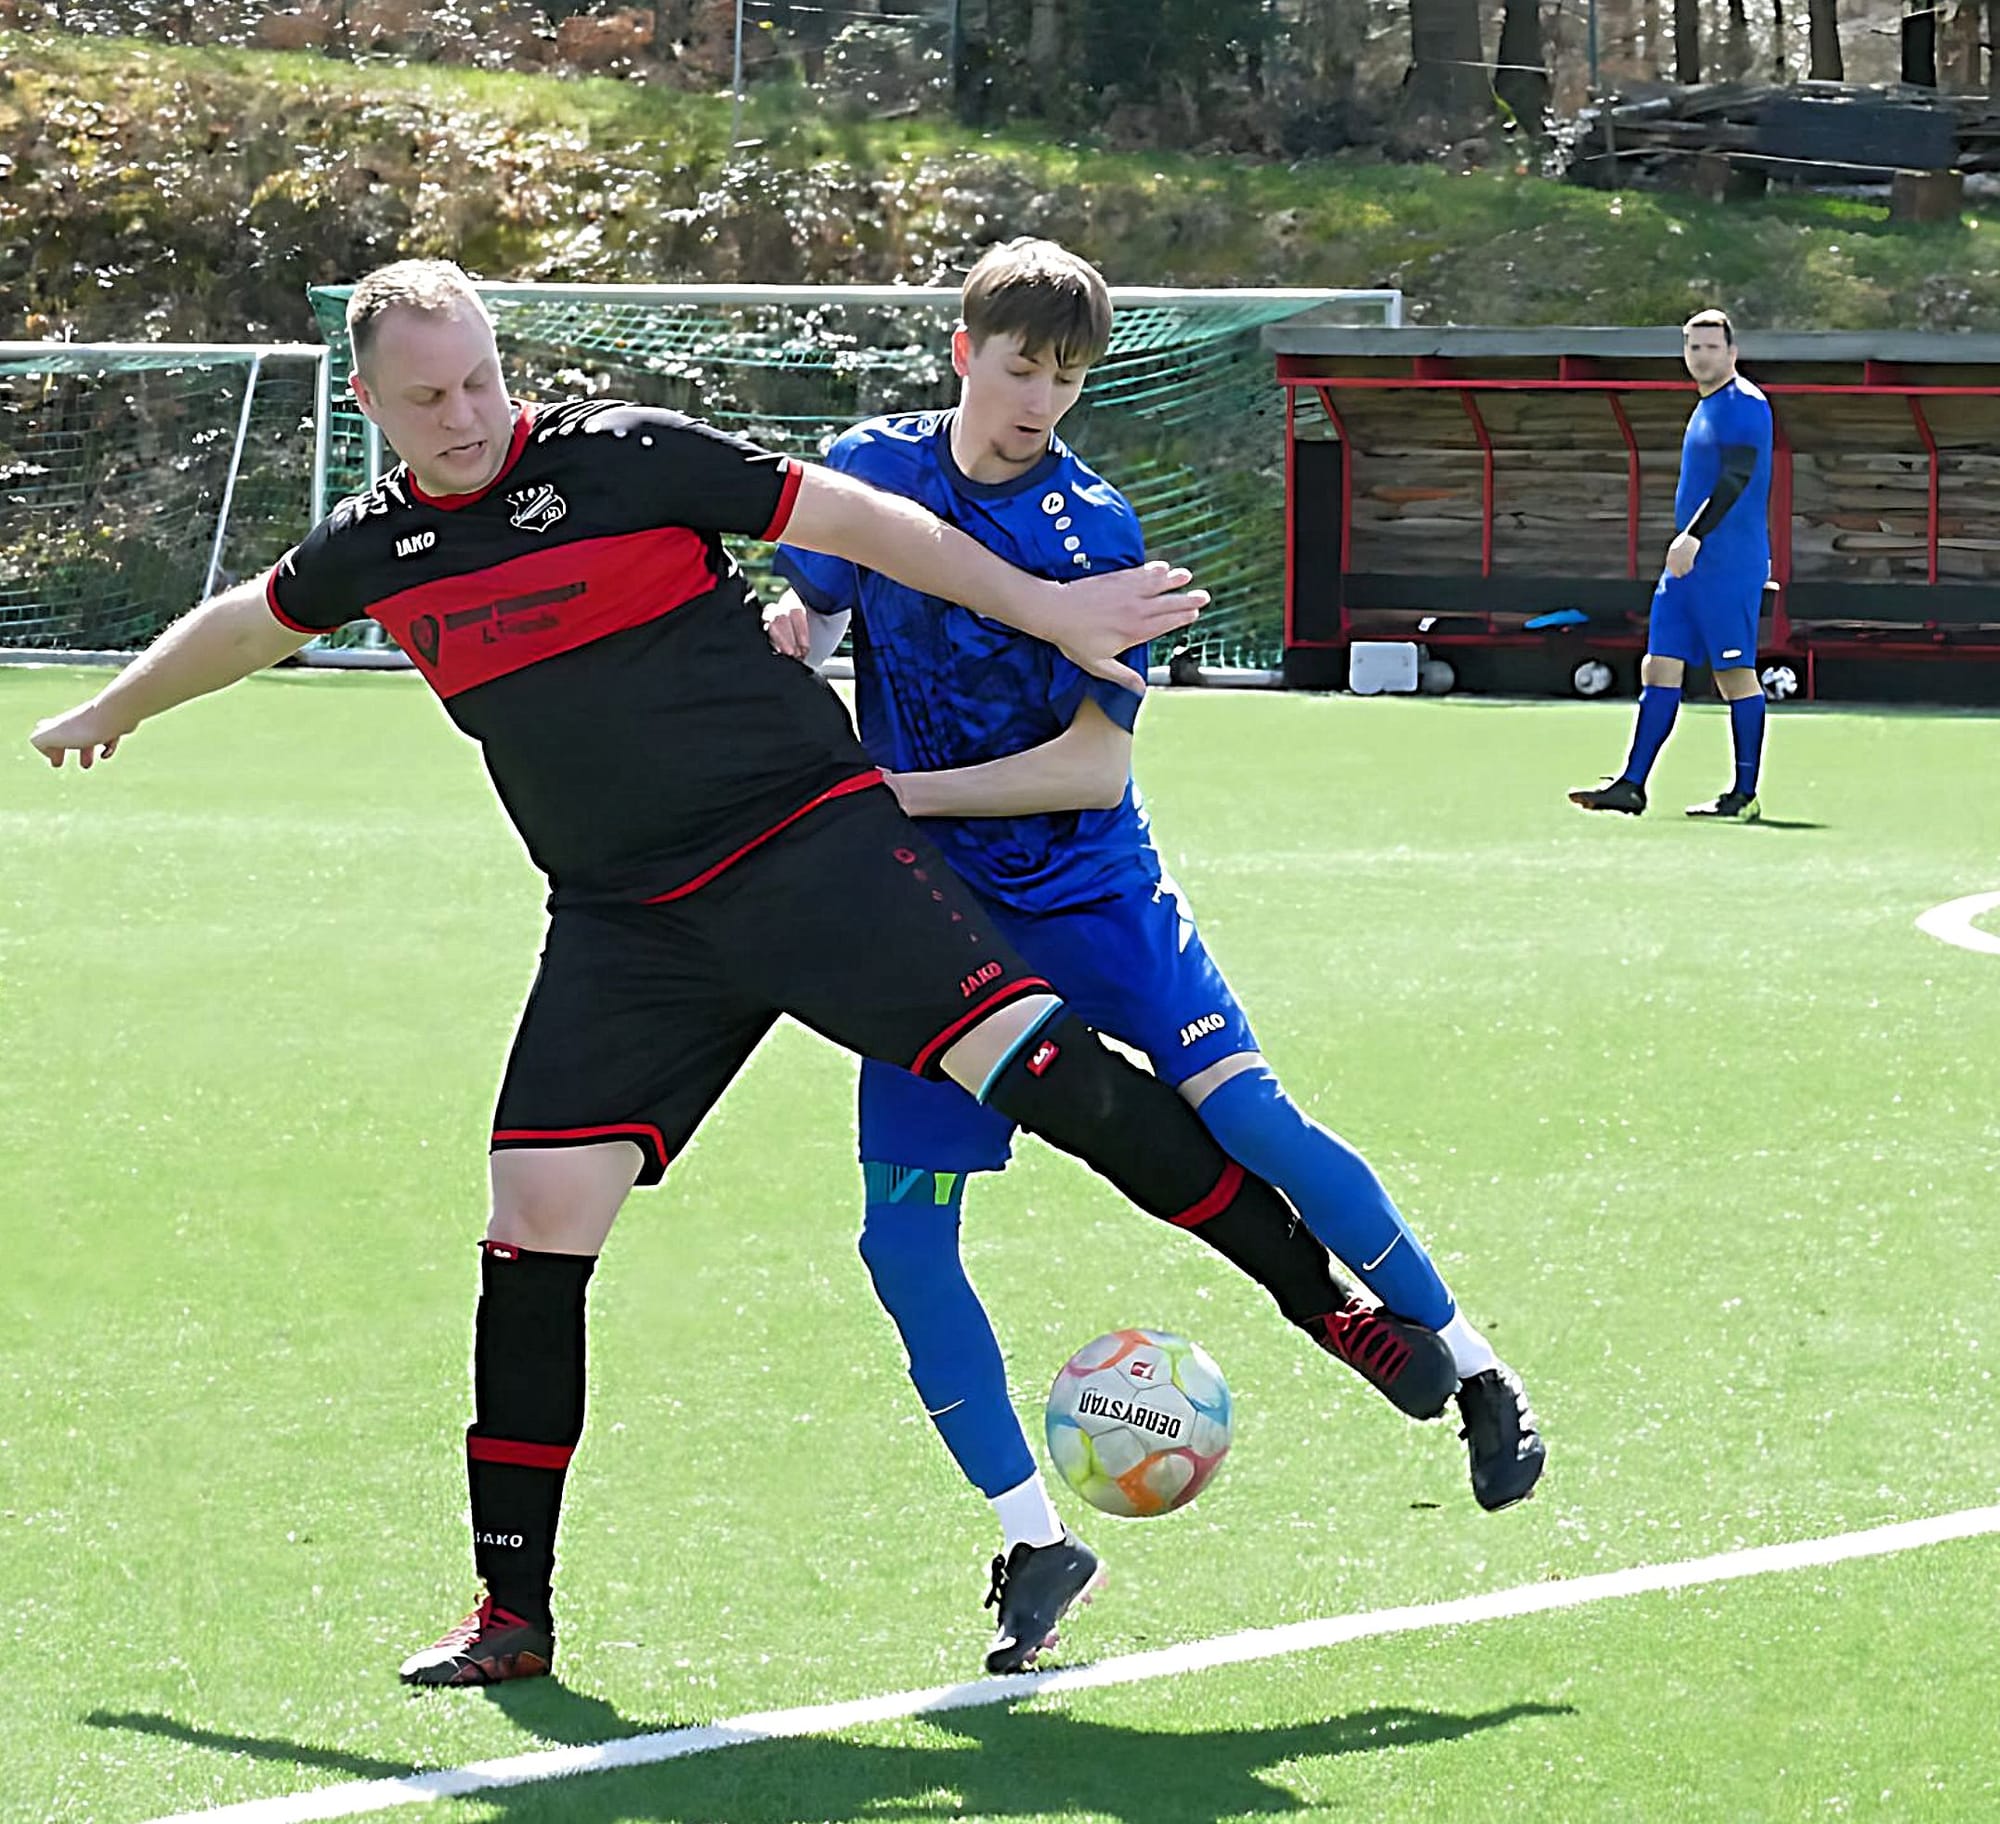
x,y
1133,965
1708,621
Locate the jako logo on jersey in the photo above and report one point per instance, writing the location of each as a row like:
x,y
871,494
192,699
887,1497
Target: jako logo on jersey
x,y
417,541
537,508
1046,1054
513,1539
985,973
1201,1028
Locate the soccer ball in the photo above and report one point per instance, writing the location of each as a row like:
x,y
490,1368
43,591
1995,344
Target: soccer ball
x,y
1592,678
1779,682
1137,1422
1435,677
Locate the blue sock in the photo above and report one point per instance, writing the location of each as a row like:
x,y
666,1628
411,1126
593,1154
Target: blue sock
x,y
1334,1191
909,1241
1658,705
1746,729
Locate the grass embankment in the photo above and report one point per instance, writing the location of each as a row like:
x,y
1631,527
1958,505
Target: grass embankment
x,y
147,189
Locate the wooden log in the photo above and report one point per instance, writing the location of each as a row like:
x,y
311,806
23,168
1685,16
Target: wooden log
x,y
1926,196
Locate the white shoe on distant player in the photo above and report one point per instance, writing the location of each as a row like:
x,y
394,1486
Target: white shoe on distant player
x,y
1742,807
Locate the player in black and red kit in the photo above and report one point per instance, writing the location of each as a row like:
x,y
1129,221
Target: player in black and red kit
x,y
699,805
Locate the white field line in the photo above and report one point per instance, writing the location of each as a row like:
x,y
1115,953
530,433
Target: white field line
x,y
1951,923
356,1798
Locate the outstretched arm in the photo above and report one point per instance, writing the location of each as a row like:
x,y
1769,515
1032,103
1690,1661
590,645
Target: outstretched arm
x,y
1085,768
1092,620
228,637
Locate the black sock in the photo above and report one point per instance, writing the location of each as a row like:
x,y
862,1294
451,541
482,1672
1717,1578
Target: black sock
x,y
527,1376
1067,1087
1253,1228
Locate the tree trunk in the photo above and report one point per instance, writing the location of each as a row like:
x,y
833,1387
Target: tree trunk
x,y
1331,34
1737,56
1447,71
1920,47
1045,40
1521,76
1827,63
1778,65
1687,42
1958,49
1993,47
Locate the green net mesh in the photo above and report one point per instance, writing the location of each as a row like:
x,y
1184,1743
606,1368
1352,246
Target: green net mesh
x,y
114,468
1182,413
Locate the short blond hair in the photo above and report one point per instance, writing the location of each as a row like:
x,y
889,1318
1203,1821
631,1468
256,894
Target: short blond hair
x,y
1040,291
437,287
1712,319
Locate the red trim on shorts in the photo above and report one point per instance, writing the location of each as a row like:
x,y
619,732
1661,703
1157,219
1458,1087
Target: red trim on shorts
x,y
1218,1200
510,1450
524,422
643,1131
794,475
1013,991
859,783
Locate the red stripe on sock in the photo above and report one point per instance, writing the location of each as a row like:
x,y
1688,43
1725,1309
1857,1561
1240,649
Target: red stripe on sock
x,y
511,1450
1215,1202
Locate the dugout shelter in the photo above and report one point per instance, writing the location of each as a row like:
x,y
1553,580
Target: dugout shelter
x,y
1450,486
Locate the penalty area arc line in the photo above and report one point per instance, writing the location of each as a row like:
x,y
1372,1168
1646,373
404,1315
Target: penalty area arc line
x,y
359,1798
1951,923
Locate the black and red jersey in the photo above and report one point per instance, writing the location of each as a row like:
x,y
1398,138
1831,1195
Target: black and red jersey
x,y
583,623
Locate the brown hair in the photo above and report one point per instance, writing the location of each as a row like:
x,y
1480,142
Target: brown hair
x,y
1712,319
1043,293
435,286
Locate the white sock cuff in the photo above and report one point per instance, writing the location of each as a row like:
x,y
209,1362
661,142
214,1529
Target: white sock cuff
x,y
1471,1353
1026,1515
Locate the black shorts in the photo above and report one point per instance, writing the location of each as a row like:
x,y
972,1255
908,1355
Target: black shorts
x,y
849,921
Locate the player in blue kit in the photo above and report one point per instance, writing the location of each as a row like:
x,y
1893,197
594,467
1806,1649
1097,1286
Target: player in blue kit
x,y
1706,606
1019,766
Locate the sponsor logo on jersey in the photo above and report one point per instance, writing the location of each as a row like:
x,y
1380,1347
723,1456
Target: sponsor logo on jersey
x,y
1045,1054
509,618
1201,1028
536,508
986,972
414,543
515,1540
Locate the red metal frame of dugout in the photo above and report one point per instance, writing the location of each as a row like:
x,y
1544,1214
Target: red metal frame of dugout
x,y
1432,373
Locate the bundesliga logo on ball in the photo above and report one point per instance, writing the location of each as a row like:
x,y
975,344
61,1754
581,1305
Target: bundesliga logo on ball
x,y
1138,1421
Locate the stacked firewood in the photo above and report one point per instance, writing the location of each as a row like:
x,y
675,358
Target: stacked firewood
x,y
1666,136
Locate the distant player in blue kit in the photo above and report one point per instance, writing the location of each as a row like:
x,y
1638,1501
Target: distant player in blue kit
x,y
1706,606
1019,766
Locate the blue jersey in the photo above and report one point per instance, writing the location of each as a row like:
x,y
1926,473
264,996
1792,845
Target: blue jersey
x,y
1735,413
937,686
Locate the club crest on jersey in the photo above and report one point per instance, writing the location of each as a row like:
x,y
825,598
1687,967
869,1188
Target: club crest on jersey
x,y
536,508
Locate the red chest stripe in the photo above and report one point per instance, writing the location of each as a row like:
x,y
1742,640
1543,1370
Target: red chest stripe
x,y
468,630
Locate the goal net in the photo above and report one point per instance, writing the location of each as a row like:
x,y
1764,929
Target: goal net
x,y
1182,413
137,478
